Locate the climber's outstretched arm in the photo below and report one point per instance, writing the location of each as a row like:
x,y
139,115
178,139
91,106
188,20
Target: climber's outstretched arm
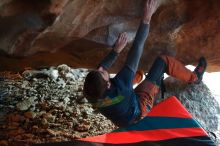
x,y
136,50
120,44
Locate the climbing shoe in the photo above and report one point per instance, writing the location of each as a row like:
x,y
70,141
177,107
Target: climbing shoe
x,y
200,69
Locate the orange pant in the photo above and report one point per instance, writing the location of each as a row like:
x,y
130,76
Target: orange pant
x,y
148,89
178,70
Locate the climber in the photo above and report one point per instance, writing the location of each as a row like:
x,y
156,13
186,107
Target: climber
x,y
115,97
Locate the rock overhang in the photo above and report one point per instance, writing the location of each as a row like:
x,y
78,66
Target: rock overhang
x,y
76,32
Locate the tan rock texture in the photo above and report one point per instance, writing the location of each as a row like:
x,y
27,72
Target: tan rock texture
x,y
80,32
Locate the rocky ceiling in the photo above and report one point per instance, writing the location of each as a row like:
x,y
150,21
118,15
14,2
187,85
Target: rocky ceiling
x,y
79,32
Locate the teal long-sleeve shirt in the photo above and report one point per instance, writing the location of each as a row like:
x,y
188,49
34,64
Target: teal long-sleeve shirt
x,y
120,103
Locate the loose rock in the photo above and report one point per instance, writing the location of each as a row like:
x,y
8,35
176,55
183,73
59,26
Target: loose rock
x,y
30,115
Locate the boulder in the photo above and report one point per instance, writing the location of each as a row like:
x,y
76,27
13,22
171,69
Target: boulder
x,y
197,99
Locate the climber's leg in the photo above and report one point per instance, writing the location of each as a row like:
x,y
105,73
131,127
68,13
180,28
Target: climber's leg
x,y
149,88
178,70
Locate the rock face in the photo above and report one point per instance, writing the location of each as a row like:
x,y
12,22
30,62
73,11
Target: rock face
x,y
198,100
74,32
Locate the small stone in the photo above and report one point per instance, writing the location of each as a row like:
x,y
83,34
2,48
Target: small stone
x,y
12,127
59,105
56,139
83,127
35,127
28,135
76,137
13,133
49,117
70,124
44,121
34,79
67,114
41,113
52,132
30,115
18,137
69,109
80,89
66,100
74,121
41,130
25,84
26,104
15,124
43,105
33,108
83,100
53,74
15,118
63,69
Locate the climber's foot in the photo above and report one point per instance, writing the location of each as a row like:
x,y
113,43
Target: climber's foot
x,y
200,69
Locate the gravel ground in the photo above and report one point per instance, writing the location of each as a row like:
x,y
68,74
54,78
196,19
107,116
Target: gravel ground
x,y
47,106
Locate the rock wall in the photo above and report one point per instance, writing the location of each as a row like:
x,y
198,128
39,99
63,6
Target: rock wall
x,y
48,32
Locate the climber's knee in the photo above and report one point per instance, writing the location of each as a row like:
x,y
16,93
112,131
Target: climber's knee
x,y
164,58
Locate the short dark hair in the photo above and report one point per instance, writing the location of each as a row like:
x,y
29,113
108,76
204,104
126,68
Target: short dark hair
x,y
94,85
